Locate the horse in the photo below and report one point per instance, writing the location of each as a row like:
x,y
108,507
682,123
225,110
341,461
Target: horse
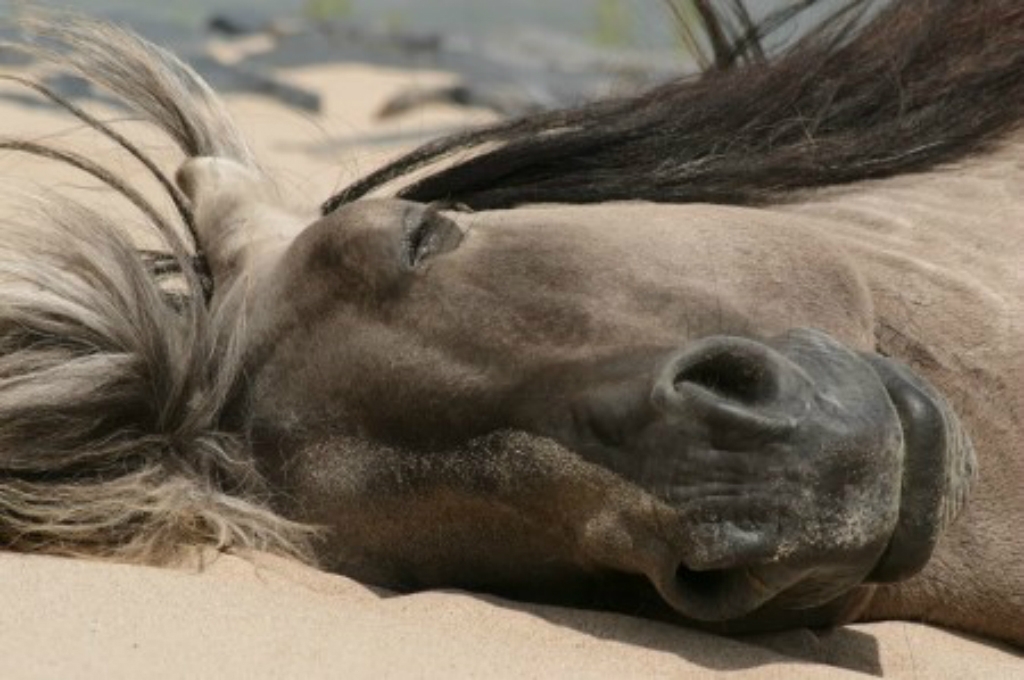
x,y
742,351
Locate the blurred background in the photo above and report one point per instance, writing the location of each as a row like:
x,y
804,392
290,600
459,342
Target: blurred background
x,y
621,23
511,56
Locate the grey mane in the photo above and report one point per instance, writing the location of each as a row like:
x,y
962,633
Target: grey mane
x,y
111,390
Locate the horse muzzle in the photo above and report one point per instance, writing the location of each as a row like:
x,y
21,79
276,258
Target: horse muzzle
x,y
796,470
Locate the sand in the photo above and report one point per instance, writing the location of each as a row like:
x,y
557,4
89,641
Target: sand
x,y
264,617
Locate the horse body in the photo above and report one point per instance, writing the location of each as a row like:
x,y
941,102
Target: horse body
x,y
753,415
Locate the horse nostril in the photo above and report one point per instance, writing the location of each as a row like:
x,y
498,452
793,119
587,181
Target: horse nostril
x,y
705,586
731,376
734,392
715,594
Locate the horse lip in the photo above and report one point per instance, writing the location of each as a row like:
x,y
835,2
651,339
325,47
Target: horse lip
x,y
693,583
939,468
716,595
725,545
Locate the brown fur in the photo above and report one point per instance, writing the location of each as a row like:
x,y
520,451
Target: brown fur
x,y
420,413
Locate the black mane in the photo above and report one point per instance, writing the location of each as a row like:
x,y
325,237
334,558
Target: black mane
x,y
923,83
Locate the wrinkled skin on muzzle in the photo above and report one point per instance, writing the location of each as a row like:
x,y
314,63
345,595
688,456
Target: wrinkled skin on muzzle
x,y
784,472
782,462
530,401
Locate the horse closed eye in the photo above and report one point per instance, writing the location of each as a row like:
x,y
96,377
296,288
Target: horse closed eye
x,y
429,234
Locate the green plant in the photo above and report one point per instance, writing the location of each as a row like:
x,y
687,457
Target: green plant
x,y
322,10
614,23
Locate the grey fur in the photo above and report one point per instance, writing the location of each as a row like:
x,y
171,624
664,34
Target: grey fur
x,y
110,396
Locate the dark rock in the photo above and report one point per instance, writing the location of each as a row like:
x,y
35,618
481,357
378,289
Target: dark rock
x,y
224,24
252,78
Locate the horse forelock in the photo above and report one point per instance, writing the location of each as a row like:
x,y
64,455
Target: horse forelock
x,y
111,398
114,372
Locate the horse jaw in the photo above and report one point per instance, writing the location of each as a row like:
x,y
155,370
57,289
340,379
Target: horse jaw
x,y
241,221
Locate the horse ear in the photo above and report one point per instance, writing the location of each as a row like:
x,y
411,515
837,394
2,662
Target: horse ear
x,y
939,467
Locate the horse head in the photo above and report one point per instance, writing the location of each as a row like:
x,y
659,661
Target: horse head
x,y
531,400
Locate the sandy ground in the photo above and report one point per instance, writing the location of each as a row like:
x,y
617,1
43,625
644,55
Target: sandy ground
x,y
262,617
268,618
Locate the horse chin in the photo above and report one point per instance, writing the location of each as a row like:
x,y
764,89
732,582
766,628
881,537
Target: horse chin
x,y
796,469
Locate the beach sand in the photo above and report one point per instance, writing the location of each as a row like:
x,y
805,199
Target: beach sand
x,y
265,617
